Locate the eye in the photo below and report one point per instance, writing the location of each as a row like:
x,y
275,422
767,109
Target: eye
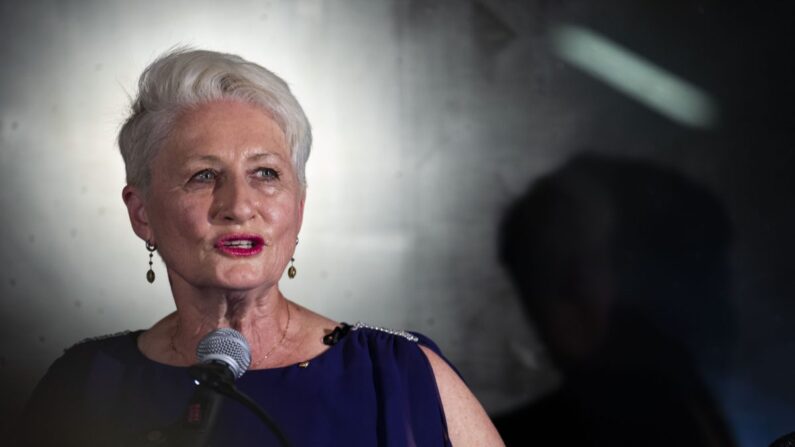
x,y
267,174
204,176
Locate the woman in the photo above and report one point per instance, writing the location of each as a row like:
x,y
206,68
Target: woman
x,y
215,151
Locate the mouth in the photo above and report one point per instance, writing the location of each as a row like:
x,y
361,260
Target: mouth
x,y
240,244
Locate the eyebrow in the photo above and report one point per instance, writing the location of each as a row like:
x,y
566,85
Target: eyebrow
x,y
261,155
214,158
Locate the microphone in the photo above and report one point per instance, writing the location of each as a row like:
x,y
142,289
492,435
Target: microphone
x,y
224,356
226,347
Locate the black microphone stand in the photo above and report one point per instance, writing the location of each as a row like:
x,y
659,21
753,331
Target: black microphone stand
x,y
216,379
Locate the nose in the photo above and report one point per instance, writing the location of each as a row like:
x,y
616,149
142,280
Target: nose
x,y
234,201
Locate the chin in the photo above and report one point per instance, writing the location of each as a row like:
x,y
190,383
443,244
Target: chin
x,y
244,280
243,286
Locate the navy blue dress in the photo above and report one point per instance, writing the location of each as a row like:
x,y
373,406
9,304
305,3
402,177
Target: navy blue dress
x,y
370,388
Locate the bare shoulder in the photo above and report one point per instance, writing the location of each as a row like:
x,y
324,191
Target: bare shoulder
x,y
467,421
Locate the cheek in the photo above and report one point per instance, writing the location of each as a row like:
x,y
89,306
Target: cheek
x,y
191,219
283,224
182,219
283,215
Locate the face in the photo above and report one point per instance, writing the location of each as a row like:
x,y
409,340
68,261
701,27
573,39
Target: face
x,y
224,204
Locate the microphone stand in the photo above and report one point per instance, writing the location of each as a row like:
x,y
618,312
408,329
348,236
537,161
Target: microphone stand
x,y
216,378
204,405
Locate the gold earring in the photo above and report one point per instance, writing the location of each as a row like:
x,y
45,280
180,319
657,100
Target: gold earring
x,y
292,271
150,275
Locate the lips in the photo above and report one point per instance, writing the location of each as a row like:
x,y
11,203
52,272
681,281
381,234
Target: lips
x,y
240,244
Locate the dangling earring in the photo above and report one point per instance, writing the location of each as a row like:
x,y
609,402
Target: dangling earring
x,y
150,275
291,272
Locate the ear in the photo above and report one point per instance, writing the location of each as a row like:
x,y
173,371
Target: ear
x,y
136,209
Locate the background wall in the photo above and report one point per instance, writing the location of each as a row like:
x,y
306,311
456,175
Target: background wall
x,y
429,117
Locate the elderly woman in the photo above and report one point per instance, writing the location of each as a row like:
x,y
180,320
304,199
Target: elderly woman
x,y
215,150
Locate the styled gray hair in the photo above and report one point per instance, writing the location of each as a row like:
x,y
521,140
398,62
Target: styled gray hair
x,y
182,78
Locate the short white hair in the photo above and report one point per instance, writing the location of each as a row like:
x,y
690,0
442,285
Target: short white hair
x,y
184,78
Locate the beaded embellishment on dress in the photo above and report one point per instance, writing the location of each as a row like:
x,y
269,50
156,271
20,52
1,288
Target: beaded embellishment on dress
x,y
407,335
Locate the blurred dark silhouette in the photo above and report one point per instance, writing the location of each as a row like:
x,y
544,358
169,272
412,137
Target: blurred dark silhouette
x,y
624,268
787,440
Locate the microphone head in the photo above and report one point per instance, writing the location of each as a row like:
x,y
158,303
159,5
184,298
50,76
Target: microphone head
x,y
227,346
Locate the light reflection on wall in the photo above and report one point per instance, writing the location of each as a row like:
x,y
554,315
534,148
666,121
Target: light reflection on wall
x,y
635,76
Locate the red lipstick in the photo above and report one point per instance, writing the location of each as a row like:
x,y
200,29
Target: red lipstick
x,y
240,244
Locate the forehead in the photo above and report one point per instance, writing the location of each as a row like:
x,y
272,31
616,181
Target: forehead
x,y
225,129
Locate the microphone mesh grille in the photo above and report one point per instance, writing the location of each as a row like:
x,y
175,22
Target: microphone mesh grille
x,y
228,346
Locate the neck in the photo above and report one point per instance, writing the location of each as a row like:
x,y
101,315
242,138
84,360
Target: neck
x,y
261,315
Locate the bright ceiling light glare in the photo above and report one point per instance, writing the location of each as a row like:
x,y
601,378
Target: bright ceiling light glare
x,y
635,76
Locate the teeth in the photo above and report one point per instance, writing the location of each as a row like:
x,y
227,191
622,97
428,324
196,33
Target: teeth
x,y
241,244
